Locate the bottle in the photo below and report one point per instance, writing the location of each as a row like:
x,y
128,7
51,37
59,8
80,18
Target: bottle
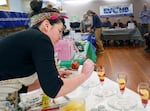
x,y
45,101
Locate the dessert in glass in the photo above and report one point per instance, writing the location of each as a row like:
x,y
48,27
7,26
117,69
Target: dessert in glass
x,y
99,91
143,90
122,80
101,74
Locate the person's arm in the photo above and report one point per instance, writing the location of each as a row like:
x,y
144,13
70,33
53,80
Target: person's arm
x,y
127,23
43,59
109,24
92,22
135,23
141,14
114,25
146,34
51,82
148,13
71,84
81,27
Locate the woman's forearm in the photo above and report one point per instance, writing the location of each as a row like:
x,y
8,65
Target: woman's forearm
x,y
71,84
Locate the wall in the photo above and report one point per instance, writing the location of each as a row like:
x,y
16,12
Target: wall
x,y
16,5
19,5
80,9
26,6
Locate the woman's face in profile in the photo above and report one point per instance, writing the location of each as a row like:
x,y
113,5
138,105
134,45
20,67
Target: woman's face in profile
x,y
55,32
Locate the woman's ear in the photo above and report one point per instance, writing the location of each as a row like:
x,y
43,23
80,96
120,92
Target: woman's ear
x,y
45,26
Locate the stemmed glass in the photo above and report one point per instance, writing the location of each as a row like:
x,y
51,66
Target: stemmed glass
x,y
101,75
143,90
122,80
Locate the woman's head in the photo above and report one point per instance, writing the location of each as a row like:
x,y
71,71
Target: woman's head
x,y
47,20
90,13
35,6
85,16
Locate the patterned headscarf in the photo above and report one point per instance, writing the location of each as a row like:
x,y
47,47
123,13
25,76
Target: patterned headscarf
x,y
42,16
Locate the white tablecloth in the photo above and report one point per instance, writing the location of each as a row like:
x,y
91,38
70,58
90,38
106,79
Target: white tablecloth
x,y
111,92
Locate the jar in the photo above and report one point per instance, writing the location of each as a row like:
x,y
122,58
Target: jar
x,y
45,101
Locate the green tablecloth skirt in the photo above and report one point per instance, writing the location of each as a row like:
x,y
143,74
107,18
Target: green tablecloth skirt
x,y
88,52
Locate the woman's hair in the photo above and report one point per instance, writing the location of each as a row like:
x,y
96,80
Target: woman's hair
x,y
39,14
90,12
36,7
49,6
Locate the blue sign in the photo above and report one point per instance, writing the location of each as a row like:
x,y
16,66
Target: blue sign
x,y
123,10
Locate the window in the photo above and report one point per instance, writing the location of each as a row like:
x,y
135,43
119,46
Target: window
x,y
4,5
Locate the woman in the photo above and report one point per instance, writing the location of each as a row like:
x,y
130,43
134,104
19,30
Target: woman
x,y
85,25
26,52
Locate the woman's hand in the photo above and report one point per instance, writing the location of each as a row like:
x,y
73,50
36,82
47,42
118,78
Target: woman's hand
x,y
88,67
73,82
63,72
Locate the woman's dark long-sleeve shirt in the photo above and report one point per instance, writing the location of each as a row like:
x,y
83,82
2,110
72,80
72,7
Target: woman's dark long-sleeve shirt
x,y
26,52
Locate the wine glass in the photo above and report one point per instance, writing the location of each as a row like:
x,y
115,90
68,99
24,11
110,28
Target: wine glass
x,y
143,90
101,74
122,80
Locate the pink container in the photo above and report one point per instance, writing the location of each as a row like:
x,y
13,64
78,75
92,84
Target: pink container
x,y
65,49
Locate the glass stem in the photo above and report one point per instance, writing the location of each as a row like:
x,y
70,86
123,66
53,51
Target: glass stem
x,y
144,106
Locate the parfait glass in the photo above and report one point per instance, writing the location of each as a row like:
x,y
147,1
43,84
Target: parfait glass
x,y
143,90
122,80
101,75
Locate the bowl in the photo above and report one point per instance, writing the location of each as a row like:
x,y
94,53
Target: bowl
x,y
76,104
